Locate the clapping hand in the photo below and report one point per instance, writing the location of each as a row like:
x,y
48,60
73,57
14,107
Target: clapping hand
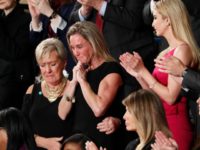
x,y
164,143
32,5
132,63
37,7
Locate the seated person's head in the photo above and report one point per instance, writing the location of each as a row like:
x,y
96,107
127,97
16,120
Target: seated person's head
x,y
145,114
75,142
15,131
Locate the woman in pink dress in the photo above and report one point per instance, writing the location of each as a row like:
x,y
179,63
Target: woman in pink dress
x,y
171,22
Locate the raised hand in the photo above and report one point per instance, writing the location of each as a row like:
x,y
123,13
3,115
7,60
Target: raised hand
x,y
85,10
32,5
132,63
40,7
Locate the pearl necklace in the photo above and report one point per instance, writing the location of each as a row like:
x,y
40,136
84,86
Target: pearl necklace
x,y
54,93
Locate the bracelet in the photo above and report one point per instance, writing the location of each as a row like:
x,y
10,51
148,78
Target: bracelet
x,y
70,99
151,86
53,15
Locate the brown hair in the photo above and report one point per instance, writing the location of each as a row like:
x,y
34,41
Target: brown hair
x,y
90,32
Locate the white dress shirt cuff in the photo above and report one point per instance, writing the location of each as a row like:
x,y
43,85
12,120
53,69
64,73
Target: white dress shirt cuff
x,y
39,29
81,17
58,23
103,8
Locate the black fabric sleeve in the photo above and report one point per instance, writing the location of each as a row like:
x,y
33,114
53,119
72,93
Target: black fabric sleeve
x,y
191,80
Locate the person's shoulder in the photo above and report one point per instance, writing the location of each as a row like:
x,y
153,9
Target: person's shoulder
x,y
132,144
183,51
30,89
113,66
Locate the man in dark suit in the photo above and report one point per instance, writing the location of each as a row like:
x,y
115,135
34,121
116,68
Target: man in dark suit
x,y
16,54
123,28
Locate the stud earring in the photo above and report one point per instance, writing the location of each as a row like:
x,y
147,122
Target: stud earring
x,y
65,73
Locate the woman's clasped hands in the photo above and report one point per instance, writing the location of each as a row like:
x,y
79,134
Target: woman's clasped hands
x,y
80,72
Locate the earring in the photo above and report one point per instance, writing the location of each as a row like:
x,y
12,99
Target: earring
x,y
65,73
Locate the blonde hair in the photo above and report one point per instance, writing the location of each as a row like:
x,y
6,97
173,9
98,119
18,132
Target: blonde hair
x,y
90,32
148,110
49,45
181,28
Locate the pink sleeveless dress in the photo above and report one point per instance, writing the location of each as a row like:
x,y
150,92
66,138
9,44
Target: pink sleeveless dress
x,y
176,114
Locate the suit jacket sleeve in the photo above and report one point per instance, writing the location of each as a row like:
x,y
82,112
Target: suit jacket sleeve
x,y
64,13
125,13
74,17
191,80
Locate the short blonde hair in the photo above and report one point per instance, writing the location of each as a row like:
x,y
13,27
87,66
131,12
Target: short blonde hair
x,y
148,110
90,32
49,45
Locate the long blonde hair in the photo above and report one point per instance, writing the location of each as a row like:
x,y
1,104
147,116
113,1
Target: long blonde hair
x,y
180,23
149,112
90,32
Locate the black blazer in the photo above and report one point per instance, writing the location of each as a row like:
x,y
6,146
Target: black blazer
x,y
191,80
16,54
193,7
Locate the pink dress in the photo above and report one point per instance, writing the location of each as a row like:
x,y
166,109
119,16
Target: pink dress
x,y
176,114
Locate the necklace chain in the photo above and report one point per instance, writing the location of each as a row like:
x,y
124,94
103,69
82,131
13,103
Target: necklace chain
x,y
54,93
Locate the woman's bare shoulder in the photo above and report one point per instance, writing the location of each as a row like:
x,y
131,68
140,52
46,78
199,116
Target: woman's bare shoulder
x,y
30,89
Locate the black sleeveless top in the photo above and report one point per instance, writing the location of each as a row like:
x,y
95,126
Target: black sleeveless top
x,y
84,119
44,115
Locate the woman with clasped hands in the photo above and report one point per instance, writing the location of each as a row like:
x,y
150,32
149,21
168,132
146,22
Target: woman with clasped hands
x,y
48,102
99,81
177,32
